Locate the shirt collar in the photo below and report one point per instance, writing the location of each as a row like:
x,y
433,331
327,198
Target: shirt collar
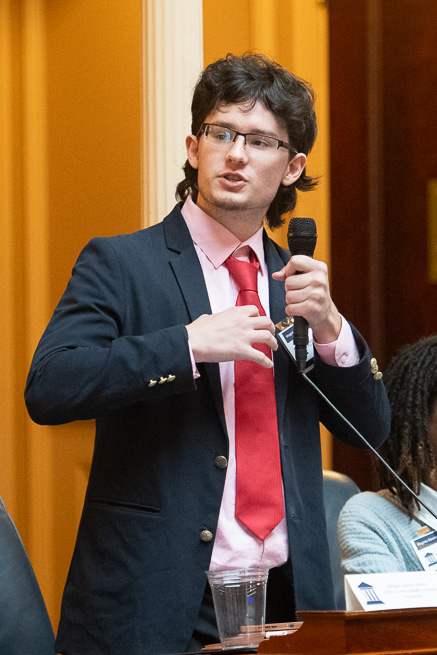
x,y
215,240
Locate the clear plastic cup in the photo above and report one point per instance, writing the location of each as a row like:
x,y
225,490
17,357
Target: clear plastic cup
x,y
239,598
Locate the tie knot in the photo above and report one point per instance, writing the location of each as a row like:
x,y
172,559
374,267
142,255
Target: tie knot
x,y
245,274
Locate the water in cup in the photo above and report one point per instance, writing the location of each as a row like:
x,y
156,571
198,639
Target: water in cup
x,y
239,598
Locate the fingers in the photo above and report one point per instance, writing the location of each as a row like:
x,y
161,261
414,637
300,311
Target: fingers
x,y
304,264
256,321
258,357
279,275
307,294
306,285
299,264
231,335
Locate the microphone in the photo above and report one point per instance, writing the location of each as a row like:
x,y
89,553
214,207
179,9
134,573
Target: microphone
x,y
302,239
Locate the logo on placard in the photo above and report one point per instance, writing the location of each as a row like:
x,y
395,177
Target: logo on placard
x,y
369,594
430,558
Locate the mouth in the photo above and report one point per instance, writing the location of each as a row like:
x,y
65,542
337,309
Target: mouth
x,y
233,177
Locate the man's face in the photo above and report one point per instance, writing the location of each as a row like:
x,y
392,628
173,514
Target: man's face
x,y
236,184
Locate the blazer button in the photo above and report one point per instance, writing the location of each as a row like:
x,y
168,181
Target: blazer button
x,y
221,462
206,535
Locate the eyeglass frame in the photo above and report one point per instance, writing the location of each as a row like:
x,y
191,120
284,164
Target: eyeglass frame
x,y
281,144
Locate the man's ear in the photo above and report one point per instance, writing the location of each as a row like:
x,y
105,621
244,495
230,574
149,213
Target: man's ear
x,y
294,169
192,145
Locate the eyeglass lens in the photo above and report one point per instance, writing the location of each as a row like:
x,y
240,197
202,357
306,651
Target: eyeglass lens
x,y
224,136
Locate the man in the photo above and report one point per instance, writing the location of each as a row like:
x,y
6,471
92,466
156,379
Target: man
x,y
148,340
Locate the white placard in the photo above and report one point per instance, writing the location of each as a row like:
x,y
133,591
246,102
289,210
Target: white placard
x,y
425,547
389,591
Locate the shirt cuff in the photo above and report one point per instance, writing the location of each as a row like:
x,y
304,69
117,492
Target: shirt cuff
x,y
342,352
196,373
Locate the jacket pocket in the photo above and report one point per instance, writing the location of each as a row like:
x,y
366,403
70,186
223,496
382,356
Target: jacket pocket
x,y
124,505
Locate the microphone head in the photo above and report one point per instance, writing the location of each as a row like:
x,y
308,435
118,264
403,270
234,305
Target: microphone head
x,y
302,236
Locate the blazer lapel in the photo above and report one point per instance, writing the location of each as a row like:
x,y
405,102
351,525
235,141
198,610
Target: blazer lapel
x,y
188,272
186,266
277,313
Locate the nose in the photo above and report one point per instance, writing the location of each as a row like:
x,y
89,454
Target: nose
x,y
237,150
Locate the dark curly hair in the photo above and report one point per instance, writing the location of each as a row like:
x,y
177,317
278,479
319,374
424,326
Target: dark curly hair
x,y
254,78
411,383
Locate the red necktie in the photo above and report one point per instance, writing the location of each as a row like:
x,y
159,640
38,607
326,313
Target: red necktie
x,y
259,501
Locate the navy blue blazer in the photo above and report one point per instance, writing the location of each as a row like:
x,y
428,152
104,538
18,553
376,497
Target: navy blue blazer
x,y
116,351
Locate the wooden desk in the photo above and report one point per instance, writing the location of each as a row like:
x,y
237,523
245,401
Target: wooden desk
x,y
391,632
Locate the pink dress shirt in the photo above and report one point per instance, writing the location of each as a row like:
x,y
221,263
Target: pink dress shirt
x,y
234,545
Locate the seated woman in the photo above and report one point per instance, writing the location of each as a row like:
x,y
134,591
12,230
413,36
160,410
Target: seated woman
x,y
376,530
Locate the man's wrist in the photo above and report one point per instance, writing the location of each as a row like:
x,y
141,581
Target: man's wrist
x,y
329,331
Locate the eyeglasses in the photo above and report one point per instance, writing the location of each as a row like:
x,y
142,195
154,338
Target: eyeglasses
x,y
260,143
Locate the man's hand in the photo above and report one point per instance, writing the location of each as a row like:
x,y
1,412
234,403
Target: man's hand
x,y
308,295
230,335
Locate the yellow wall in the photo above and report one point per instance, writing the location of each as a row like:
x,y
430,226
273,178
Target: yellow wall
x,y
94,119
71,167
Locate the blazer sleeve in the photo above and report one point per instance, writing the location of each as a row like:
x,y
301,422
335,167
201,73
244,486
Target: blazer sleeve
x,y
356,395
92,358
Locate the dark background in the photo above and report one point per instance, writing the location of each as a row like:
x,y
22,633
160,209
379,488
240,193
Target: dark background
x,y
383,62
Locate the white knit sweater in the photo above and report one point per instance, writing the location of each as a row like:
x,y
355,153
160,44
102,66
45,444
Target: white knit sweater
x,y
375,534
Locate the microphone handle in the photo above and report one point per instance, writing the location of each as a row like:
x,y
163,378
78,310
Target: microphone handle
x,y
302,239
300,337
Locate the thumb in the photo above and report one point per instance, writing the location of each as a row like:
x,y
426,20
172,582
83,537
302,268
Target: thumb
x,y
279,275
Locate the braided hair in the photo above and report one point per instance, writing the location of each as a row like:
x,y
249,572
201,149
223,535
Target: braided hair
x,y
411,383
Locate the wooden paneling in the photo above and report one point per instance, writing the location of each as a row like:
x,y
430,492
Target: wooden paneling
x,y
383,76
410,160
